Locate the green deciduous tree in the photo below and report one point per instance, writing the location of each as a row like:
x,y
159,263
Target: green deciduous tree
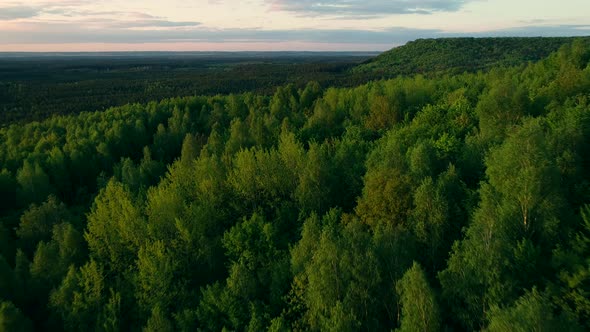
x,y
531,312
36,223
258,278
158,322
52,259
116,228
503,106
156,277
437,216
513,227
419,306
340,274
574,279
12,319
34,183
80,299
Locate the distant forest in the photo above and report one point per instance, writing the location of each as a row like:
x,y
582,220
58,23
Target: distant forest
x,y
34,87
454,199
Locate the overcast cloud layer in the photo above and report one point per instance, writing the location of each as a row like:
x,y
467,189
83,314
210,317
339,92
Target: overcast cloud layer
x,y
71,25
16,12
364,7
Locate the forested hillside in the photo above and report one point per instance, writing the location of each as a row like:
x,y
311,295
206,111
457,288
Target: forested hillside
x,y
455,202
456,55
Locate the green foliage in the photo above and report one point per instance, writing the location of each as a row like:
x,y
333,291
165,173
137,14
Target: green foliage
x,y
36,224
190,149
259,178
514,225
574,279
110,316
386,198
34,183
455,55
339,270
116,228
7,281
51,86
81,297
436,217
12,319
525,178
258,276
531,312
417,203
52,259
155,277
158,322
419,306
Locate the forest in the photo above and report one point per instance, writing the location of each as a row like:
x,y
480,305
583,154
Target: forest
x,y
34,87
457,55
37,86
442,202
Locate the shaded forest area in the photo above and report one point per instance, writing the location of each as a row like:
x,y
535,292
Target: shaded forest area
x,y
36,86
454,202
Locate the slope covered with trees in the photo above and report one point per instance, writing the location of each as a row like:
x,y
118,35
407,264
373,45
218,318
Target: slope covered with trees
x,y
449,203
456,55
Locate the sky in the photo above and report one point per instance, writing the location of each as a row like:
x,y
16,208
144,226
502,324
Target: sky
x,y
274,25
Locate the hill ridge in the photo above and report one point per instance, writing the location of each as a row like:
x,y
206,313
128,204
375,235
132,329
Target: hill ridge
x,y
459,54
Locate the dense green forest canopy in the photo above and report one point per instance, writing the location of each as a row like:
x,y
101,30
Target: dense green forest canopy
x,y
454,202
456,55
36,86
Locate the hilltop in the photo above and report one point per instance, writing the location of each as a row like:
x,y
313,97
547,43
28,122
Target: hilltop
x,y
457,55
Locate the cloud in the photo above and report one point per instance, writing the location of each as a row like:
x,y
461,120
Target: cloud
x,y
562,30
17,12
115,19
150,32
152,23
366,7
65,33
